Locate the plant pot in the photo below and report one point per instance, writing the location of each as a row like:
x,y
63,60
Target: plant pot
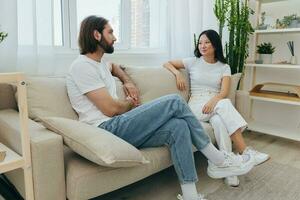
x,y
293,24
266,58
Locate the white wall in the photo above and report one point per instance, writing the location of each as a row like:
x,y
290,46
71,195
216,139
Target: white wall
x,y
8,23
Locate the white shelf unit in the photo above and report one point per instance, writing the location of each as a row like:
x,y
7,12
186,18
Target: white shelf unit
x,y
259,126
13,160
279,66
275,130
273,31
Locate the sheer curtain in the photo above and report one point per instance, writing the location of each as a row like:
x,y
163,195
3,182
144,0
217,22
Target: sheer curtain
x,y
8,24
187,17
37,54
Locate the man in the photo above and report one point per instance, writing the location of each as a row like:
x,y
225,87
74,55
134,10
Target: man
x,y
164,121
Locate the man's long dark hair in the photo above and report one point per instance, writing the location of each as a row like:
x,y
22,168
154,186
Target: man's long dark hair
x,y
87,42
216,42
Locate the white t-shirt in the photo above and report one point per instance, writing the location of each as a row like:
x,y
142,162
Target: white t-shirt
x,y
205,76
86,75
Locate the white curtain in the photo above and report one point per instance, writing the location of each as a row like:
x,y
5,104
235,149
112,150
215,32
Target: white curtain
x,y
187,17
8,24
36,53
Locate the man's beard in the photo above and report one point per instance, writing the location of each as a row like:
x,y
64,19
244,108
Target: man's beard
x,y
105,46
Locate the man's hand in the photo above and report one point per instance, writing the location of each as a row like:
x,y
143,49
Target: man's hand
x,y
132,91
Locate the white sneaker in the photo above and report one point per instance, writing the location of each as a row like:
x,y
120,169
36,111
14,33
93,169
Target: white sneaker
x,y
232,181
200,197
234,165
258,157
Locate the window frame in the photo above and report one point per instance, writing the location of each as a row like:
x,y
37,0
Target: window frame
x,y
69,29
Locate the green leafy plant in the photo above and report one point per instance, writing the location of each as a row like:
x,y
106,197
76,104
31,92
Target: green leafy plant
x,y
3,36
235,14
265,48
287,20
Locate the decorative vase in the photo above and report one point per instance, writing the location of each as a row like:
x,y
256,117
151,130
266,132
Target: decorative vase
x,y
293,60
266,58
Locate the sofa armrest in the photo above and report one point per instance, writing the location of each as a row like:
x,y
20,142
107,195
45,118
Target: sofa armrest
x,y
46,153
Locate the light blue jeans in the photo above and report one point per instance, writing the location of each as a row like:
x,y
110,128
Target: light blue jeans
x,y
169,121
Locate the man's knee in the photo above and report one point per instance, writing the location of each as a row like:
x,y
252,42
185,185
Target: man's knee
x,y
175,97
180,129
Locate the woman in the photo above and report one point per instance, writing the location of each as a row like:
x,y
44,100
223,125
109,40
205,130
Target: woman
x,y
210,82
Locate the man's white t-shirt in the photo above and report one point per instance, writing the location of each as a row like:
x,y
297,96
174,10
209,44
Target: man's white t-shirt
x,y
86,75
205,76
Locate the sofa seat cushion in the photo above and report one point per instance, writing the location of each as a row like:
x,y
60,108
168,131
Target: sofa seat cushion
x,y
95,144
85,179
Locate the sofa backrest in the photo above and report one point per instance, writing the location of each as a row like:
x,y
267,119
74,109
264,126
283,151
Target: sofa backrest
x,y
7,97
155,82
47,96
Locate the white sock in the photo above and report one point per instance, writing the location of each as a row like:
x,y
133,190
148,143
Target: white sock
x,y
213,154
189,191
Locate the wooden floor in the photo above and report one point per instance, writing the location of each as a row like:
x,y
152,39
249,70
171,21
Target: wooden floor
x,y
164,185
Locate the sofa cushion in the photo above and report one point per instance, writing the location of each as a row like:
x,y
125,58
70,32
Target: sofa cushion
x,y
235,78
95,144
7,99
155,82
47,97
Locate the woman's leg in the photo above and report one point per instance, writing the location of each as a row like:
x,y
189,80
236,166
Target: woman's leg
x,y
238,141
233,122
224,143
222,137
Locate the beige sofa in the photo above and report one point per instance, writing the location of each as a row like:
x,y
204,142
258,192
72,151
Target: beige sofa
x,y
58,172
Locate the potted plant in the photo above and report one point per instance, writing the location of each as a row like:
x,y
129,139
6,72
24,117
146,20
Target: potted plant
x,y
265,51
262,26
291,21
235,14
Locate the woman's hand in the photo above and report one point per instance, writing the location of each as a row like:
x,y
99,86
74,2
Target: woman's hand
x,y
209,106
180,81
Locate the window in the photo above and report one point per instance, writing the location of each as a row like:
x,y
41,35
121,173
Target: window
x,y
137,24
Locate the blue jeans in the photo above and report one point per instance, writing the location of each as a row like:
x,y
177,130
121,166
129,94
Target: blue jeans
x,y
164,121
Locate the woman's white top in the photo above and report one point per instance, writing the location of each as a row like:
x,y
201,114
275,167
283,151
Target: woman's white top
x,y
205,81
205,76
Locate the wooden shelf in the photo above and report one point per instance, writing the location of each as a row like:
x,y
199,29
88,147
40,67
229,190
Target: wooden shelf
x,y
285,30
276,92
12,160
271,129
279,66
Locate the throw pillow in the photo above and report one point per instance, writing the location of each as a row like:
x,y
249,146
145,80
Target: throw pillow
x,y
95,144
235,78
